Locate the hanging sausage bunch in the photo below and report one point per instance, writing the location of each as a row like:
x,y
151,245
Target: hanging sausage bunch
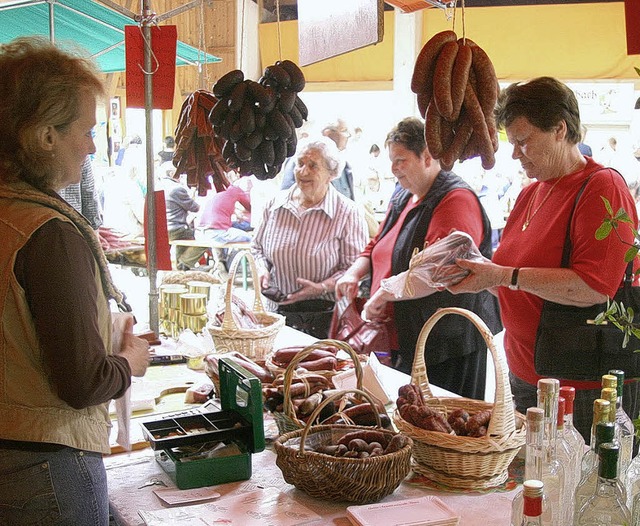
x,y
258,120
457,90
198,151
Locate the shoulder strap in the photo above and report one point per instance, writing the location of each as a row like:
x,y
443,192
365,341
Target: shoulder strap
x,y
566,249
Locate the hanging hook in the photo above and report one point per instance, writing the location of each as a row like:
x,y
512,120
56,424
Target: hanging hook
x,y
148,21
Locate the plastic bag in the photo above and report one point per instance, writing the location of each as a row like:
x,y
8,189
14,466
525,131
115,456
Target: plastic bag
x,y
434,267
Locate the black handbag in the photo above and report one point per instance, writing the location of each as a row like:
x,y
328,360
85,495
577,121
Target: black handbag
x,y
570,346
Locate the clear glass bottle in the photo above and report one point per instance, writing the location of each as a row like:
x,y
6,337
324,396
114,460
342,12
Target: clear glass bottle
x,y
605,507
552,470
600,414
611,394
625,424
632,484
570,461
534,457
573,436
532,510
605,434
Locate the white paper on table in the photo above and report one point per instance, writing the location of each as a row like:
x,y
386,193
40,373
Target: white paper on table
x,y
123,404
370,379
422,511
177,496
267,507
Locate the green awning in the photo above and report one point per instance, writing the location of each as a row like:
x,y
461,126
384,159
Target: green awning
x,y
94,26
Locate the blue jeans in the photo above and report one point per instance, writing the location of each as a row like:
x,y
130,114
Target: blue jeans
x,y
60,488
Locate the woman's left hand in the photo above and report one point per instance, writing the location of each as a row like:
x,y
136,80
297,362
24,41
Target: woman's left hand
x,y
308,290
484,274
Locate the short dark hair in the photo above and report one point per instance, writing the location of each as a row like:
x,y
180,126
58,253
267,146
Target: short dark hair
x,y
169,141
409,133
544,102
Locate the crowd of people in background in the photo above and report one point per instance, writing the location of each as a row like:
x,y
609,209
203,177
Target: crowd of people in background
x,y
365,177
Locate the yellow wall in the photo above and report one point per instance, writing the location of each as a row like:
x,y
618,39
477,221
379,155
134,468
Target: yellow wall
x,y
569,41
369,64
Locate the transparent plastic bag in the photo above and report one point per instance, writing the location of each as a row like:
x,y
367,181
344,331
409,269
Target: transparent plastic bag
x,y
434,267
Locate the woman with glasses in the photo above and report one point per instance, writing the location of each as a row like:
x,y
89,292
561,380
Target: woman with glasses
x,y
430,204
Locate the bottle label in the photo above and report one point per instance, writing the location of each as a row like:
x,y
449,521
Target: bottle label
x,y
532,507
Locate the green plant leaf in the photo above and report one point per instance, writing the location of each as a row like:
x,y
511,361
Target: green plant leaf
x,y
630,254
604,230
607,205
623,217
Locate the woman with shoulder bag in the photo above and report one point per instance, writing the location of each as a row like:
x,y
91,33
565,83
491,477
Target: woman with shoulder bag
x,y
428,205
542,122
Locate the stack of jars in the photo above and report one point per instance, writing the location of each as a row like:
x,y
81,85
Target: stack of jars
x,y
183,307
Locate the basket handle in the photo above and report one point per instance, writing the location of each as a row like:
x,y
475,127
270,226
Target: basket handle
x,y
339,394
289,372
503,416
228,323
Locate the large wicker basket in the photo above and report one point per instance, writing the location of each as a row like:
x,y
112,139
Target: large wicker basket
x,y
459,461
286,420
252,343
360,480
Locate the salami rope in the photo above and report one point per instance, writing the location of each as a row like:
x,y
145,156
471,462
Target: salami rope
x,y
456,88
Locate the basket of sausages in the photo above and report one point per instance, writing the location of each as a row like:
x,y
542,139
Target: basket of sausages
x,y
344,462
294,395
460,442
251,332
326,359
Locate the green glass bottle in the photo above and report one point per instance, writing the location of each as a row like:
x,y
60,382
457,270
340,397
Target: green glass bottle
x,y
605,507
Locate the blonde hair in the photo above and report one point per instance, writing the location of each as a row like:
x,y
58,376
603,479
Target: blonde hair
x,y
40,85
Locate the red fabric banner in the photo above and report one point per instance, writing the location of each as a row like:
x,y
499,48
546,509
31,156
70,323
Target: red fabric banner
x,y
163,254
164,40
632,21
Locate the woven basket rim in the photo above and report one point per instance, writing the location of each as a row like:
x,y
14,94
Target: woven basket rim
x,y
277,323
288,408
280,442
503,420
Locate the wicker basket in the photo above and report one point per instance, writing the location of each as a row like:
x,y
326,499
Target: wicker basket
x,y
459,461
276,370
286,420
360,480
252,343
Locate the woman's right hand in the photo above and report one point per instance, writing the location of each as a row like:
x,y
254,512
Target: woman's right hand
x,y
347,287
135,350
375,309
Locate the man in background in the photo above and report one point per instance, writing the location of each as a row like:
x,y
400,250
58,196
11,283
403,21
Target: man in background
x,y
83,196
338,132
179,203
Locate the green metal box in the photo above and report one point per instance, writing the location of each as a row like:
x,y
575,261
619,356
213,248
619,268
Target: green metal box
x,y
239,423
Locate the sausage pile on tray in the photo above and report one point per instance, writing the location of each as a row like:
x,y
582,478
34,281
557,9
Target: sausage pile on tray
x,y
258,120
457,89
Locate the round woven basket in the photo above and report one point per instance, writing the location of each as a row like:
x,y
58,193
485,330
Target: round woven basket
x,y
276,370
286,420
252,343
459,461
360,480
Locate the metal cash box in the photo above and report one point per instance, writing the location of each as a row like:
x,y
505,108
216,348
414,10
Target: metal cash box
x,y
179,439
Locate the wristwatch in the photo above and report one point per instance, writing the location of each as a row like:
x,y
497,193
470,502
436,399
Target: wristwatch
x,y
514,279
